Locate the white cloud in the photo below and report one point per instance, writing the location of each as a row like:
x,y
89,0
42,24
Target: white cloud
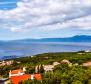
x,y
53,14
81,23
16,29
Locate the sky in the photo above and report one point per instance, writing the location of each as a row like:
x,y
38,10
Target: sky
x,y
20,19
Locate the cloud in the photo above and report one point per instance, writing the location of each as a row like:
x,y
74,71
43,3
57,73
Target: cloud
x,y
47,15
16,29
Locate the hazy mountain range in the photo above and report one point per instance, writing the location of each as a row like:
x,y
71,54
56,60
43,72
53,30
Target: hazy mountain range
x,y
77,38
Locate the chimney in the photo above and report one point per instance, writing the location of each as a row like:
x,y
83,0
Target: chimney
x,y
9,73
24,69
32,77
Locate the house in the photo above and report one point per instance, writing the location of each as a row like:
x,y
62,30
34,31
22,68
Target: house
x,y
65,61
87,64
17,72
9,62
21,78
18,76
48,68
3,63
55,63
87,51
39,68
81,53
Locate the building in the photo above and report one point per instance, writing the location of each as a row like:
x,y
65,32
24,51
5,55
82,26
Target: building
x,y
48,68
18,76
3,63
65,61
87,64
39,69
17,72
87,51
21,78
55,63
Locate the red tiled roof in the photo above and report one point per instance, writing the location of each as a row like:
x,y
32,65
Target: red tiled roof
x,y
17,79
38,76
16,71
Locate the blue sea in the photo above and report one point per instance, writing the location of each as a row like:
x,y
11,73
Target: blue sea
x,y
27,49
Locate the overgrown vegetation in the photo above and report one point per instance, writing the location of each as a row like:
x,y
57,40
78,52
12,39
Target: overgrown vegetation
x,y
62,74
49,58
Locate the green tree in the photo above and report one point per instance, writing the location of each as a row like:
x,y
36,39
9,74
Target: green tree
x,y
77,82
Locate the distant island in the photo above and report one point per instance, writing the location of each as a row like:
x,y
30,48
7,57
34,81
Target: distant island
x,y
77,38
